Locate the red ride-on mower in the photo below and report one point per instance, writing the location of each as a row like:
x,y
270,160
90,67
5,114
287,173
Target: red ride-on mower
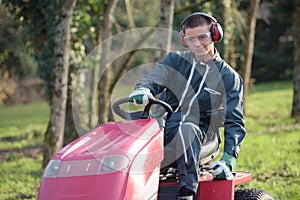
x,y
122,160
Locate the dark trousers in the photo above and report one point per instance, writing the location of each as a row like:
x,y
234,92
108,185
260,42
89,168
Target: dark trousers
x,y
186,138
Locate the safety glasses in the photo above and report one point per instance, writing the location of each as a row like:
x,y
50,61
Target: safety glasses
x,y
203,38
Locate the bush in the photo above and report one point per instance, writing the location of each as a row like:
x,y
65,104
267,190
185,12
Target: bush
x,y
7,88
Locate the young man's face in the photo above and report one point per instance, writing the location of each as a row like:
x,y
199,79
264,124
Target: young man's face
x,y
199,41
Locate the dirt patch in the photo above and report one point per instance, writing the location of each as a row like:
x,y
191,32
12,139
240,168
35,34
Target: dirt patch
x,y
9,139
25,196
283,173
12,154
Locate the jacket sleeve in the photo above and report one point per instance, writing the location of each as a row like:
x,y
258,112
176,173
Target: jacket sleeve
x,y
157,79
234,126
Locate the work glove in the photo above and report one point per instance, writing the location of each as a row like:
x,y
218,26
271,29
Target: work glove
x,y
140,96
221,170
229,160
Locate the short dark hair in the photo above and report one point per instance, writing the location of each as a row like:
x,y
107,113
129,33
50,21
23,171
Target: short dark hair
x,y
197,20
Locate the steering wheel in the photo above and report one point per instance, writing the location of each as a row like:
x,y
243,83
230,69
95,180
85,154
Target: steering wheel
x,y
145,114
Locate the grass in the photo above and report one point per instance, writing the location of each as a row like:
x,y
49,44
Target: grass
x,y
20,178
21,137
270,151
272,146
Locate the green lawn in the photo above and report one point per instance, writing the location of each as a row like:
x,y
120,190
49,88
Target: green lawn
x,y
271,151
21,138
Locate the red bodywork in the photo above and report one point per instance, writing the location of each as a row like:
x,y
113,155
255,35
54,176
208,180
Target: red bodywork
x,y
120,160
81,174
208,189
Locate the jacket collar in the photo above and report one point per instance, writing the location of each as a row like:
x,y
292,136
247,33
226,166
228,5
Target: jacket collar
x,y
215,57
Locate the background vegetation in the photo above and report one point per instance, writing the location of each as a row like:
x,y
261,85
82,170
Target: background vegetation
x,y
33,39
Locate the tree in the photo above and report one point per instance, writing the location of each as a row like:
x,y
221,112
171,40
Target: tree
x,y
250,46
296,77
55,131
274,42
166,21
106,71
16,57
229,8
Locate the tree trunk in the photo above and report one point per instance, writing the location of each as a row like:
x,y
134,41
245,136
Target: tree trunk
x,y
229,27
70,132
296,78
131,23
166,21
250,47
56,126
106,71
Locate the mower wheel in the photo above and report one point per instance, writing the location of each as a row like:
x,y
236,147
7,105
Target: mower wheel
x,y
252,194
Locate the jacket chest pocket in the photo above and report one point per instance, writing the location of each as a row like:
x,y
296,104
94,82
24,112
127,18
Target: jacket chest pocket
x,y
209,97
212,91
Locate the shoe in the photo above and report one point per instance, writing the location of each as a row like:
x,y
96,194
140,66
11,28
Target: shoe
x,y
185,198
185,194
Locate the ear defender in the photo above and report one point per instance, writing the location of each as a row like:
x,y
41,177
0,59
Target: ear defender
x,y
216,32
215,29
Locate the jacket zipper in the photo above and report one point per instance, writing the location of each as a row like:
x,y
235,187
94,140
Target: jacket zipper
x,y
190,104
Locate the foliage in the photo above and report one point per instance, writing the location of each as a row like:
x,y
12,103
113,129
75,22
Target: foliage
x,y
141,10
16,56
35,21
38,20
7,88
274,42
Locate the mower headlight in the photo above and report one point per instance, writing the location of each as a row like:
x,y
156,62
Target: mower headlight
x,y
52,168
113,163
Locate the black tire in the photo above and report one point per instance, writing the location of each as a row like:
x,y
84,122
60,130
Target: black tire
x,y
252,194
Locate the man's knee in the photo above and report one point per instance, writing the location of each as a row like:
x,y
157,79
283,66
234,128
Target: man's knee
x,y
191,131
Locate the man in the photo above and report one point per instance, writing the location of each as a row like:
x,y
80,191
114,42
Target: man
x,y
196,83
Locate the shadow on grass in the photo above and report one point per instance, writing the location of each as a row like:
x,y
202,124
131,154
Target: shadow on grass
x,y
13,154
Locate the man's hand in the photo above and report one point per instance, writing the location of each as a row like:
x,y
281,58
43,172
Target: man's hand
x,y
140,96
229,160
222,169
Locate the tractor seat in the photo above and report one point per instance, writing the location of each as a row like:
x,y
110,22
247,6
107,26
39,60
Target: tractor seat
x,y
209,150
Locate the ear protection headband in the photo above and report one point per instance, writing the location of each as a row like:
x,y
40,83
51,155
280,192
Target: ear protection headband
x,y
216,30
